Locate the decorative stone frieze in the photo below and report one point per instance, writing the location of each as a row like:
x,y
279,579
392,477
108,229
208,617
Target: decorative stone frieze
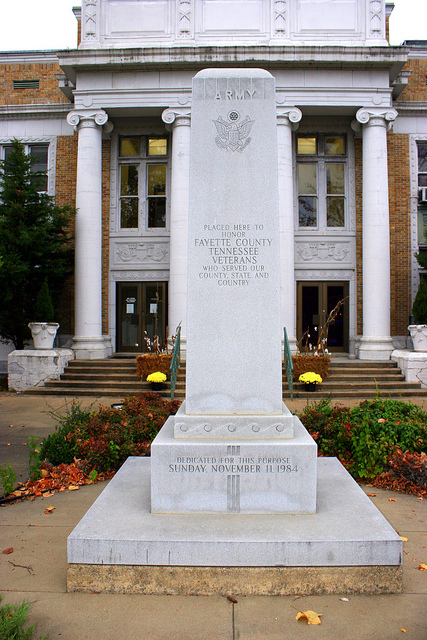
x,y
331,252
185,19
141,252
280,19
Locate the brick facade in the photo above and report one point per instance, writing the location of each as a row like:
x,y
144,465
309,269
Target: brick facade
x,y
47,93
399,192
416,89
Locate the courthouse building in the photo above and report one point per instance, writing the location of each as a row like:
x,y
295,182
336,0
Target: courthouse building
x,y
110,122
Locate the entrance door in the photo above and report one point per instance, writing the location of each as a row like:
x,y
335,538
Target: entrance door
x,y
141,316
315,302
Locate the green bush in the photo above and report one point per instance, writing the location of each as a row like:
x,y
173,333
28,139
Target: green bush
x,y
365,437
12,620
419,309
43,308
105,438
61,446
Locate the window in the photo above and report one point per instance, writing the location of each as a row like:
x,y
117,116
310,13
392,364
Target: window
x,y
40,156
422,193
321,172
143,182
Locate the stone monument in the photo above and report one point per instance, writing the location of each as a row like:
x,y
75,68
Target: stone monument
x,y
234,498
233,447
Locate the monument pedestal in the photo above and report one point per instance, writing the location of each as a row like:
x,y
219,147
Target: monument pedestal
x,y
254,476
346,547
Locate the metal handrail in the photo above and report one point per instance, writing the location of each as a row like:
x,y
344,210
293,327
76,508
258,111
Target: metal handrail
x,y
289,365
176,356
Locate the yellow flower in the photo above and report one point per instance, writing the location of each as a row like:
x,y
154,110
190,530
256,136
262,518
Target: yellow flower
x,y
156,377
310,376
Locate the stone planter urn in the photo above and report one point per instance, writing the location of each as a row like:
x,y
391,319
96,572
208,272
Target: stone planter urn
x,y
43,334
418,334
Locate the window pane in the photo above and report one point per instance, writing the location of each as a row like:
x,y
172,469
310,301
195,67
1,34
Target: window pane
x,y
307,146
307,211
157,146
307,182
129,180
129,213
157,212
129,146
422,157
422,180
39,156
335,211
156,179
335,178
334,146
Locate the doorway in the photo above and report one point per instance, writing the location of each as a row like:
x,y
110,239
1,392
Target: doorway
x,y
315,301
141,316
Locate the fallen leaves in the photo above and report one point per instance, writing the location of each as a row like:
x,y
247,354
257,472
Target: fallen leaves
x,y
392,500
404,539
49,509
311,616
422,567
8,551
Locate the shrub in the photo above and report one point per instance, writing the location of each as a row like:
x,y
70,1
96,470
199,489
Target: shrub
x,y
419,309
107,437
12,620
365,437
61,446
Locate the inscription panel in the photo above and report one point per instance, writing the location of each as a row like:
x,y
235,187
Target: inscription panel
x,y
249,476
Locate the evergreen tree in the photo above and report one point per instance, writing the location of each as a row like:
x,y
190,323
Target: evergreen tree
x,y
34,244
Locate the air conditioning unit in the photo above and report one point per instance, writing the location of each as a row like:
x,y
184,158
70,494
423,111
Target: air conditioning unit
x,y
422,195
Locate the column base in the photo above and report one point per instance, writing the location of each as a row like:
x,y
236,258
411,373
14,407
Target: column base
x,y
92,347
375,348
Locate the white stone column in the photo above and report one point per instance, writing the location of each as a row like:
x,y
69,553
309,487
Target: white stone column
x,y
89,343
287,121
179,121
376,343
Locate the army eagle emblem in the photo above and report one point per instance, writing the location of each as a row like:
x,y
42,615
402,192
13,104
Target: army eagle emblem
x,y
232,135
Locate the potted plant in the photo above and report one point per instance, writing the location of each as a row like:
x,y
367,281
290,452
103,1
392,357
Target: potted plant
x,y
156,380
44,332
310,379
418,330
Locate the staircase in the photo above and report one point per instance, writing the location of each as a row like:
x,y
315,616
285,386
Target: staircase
x,y
359,379
347,379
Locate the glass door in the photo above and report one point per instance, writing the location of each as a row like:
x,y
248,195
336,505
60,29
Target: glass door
x,y
315,301
141,316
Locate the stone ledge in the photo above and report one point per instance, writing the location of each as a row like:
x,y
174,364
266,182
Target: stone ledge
x,y
247,581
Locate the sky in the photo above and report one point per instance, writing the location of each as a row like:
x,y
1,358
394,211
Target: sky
x,y
51,24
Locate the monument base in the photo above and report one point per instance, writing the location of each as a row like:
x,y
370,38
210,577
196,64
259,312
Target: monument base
x,y
347,546
217,476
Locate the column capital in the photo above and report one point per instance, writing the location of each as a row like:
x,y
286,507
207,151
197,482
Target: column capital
x,y
83,118
375,116
177,117
288,116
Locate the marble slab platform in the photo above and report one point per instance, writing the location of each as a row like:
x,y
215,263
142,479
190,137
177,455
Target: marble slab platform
x,y
120,530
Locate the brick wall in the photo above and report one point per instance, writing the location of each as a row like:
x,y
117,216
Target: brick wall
x,y
416,89
66,167
106,156
47,93
359,252
399,192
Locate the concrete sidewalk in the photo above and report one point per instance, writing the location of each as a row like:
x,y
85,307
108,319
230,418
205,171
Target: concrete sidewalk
x,y
36,570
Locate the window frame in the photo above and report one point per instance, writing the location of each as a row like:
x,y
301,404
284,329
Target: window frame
x,y
28,143
321,159
143,160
